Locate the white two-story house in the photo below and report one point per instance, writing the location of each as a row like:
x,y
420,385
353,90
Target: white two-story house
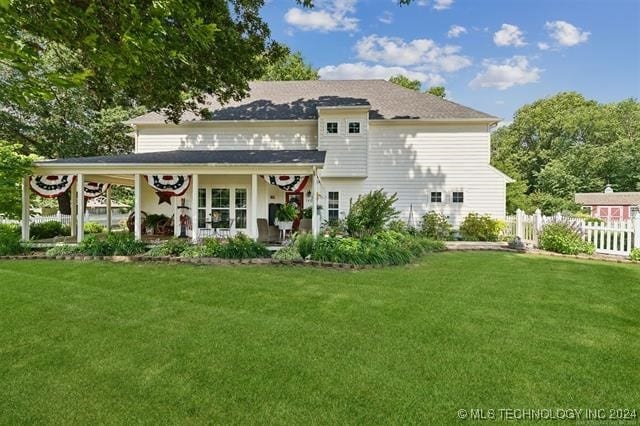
x,y
319,144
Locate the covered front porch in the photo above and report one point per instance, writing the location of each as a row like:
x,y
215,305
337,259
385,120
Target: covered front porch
x,y
205,193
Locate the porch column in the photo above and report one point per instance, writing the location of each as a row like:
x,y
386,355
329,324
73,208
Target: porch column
x,y
73,219
315,229
253,217
137,216
194,208
25,208
109,209
80,213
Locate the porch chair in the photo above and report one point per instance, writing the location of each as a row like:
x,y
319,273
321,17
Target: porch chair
x,y
267,233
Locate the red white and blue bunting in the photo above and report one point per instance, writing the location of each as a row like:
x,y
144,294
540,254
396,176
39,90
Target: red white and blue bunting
x,y
174,185
288,183
54,186
51,186
94,189
167,186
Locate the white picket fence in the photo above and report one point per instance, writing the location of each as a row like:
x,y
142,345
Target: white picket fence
x,y
65,219
614,237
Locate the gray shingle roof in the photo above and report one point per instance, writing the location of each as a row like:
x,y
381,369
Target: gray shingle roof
x,y
202,157
298,100
608,199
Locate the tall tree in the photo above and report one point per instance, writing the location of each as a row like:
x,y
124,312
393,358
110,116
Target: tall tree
x,y
437,91
164,54
13,166
406,82
565,144
290,67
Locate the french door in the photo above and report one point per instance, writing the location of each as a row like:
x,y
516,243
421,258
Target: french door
x,y
223,207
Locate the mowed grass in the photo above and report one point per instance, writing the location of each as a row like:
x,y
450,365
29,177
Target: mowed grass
x,y
85,342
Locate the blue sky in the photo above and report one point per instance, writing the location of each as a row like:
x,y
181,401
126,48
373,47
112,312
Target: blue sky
x,y
492,55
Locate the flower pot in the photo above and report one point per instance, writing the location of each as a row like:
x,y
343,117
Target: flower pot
x,y
285,226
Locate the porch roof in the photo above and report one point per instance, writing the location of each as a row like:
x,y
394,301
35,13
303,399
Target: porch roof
x,y
192,157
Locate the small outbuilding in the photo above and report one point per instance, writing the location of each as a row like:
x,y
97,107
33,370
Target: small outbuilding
x,y
610,205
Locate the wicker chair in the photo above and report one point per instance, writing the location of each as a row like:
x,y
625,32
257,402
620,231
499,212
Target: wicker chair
x,y
266,233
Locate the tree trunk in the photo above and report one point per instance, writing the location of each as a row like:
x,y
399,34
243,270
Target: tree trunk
x,y
64,203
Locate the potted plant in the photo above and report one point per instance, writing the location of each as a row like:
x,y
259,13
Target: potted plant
x,y
152,221
286,214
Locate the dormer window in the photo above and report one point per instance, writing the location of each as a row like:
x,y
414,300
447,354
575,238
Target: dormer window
x,y
354,127
332,127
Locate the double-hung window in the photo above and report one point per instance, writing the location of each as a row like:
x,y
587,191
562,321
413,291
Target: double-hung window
x,y
457,197
333,206
436,197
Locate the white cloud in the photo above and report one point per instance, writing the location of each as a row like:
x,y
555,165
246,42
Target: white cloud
x,y
386,18
456,31
334,15
361,70
422,53
509,35
515,71
566,34
423,3
442,4
543,46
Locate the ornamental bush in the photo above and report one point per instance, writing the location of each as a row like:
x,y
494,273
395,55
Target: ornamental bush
x,y
561,237
305,244
242,247
41,231
387,247
171,247
93,228
436,226
477,227
370,213
10,240
63,250
289,252
635,254
115,244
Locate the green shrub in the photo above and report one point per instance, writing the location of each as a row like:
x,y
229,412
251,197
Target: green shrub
x,y
387,247
370,213
563,238
635,254
436,226
93,228
171,247
40,231
304,244
10,241
477,227
401,226
63,250
10,228
289,252
334,227
115,244
242,247
588,218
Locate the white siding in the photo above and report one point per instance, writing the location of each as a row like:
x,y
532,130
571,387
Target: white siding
x,y
227,136
415,160
346,153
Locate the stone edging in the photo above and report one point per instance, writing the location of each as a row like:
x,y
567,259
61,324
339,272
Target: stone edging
x,y
196,260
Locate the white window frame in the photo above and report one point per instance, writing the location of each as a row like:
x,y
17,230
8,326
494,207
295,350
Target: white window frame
x,y
431,193
453,201
232,203
333,209
350,122
326,131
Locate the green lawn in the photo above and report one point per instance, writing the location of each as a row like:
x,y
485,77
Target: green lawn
x,y
153,343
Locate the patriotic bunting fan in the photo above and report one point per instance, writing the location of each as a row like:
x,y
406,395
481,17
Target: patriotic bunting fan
x,y
51,186
288,183
93,189
168,186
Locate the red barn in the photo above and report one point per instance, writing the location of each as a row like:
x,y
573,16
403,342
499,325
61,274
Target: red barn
x,y
610,205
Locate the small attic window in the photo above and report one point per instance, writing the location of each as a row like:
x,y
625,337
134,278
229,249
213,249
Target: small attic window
x,y
332,127
354,127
